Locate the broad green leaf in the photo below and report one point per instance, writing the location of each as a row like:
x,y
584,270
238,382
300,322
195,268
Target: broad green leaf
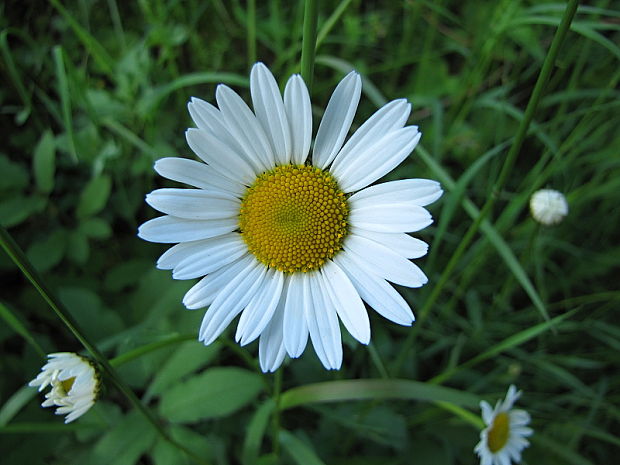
x,y
374,389
96,228
124,443
255,432
78,249
14,176
46,253
15,210
164,453
301,452
94,196
187,358
215,393
44,162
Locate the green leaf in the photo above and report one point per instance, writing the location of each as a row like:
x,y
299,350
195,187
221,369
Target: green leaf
x,y
124,443
164,453
301,452
18,209
78,249
44,162
47,252
94,196
189,357
96,228
373,389
255,432
215,393
14,176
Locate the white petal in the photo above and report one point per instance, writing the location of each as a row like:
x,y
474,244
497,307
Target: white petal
x,y
175,254
347,301
271,349
244,127
220,156
417,191
337,120
379,159
388,264
170,229
270,112
260,309
205,291
299,113
295,326
390,218
323,325
231,300
375,290
196,174
385,120
487,412
213,254
194,204
403,244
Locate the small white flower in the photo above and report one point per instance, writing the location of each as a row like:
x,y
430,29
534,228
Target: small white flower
x,y
74,383
291,241
548,206
503,440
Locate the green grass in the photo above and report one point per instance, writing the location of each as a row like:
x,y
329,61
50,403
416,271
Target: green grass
x,y
95,91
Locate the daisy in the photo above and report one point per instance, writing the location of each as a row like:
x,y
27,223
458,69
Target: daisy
x,y
293,244
548,206
74,383
502,441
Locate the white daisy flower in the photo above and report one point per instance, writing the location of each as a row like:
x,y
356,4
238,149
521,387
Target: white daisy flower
x,y
548,206
289,243
503,440
74,382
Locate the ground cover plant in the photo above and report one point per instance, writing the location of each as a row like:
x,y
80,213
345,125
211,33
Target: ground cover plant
x,y
94,92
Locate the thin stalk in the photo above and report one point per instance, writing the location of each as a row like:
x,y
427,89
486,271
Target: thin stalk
x,y
147,348
532,104
251,30
19,258
308,43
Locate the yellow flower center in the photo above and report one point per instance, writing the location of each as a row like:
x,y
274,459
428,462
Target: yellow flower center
x,y
294,217
499,432
67,384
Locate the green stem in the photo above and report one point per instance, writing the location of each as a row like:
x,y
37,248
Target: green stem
x,y
145,349
308,44
251,28
19,258
532,104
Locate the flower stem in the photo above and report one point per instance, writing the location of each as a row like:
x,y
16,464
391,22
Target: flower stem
x,y
308,44
146,348
532,104
19,258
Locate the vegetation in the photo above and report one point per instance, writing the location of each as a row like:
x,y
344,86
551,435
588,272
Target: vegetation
x,y
95,91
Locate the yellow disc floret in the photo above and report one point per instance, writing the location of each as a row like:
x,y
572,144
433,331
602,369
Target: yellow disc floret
x,y
499,432
294,217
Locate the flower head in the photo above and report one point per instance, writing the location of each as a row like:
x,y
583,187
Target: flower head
x,y
548,206
293,244
74,383
502,441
